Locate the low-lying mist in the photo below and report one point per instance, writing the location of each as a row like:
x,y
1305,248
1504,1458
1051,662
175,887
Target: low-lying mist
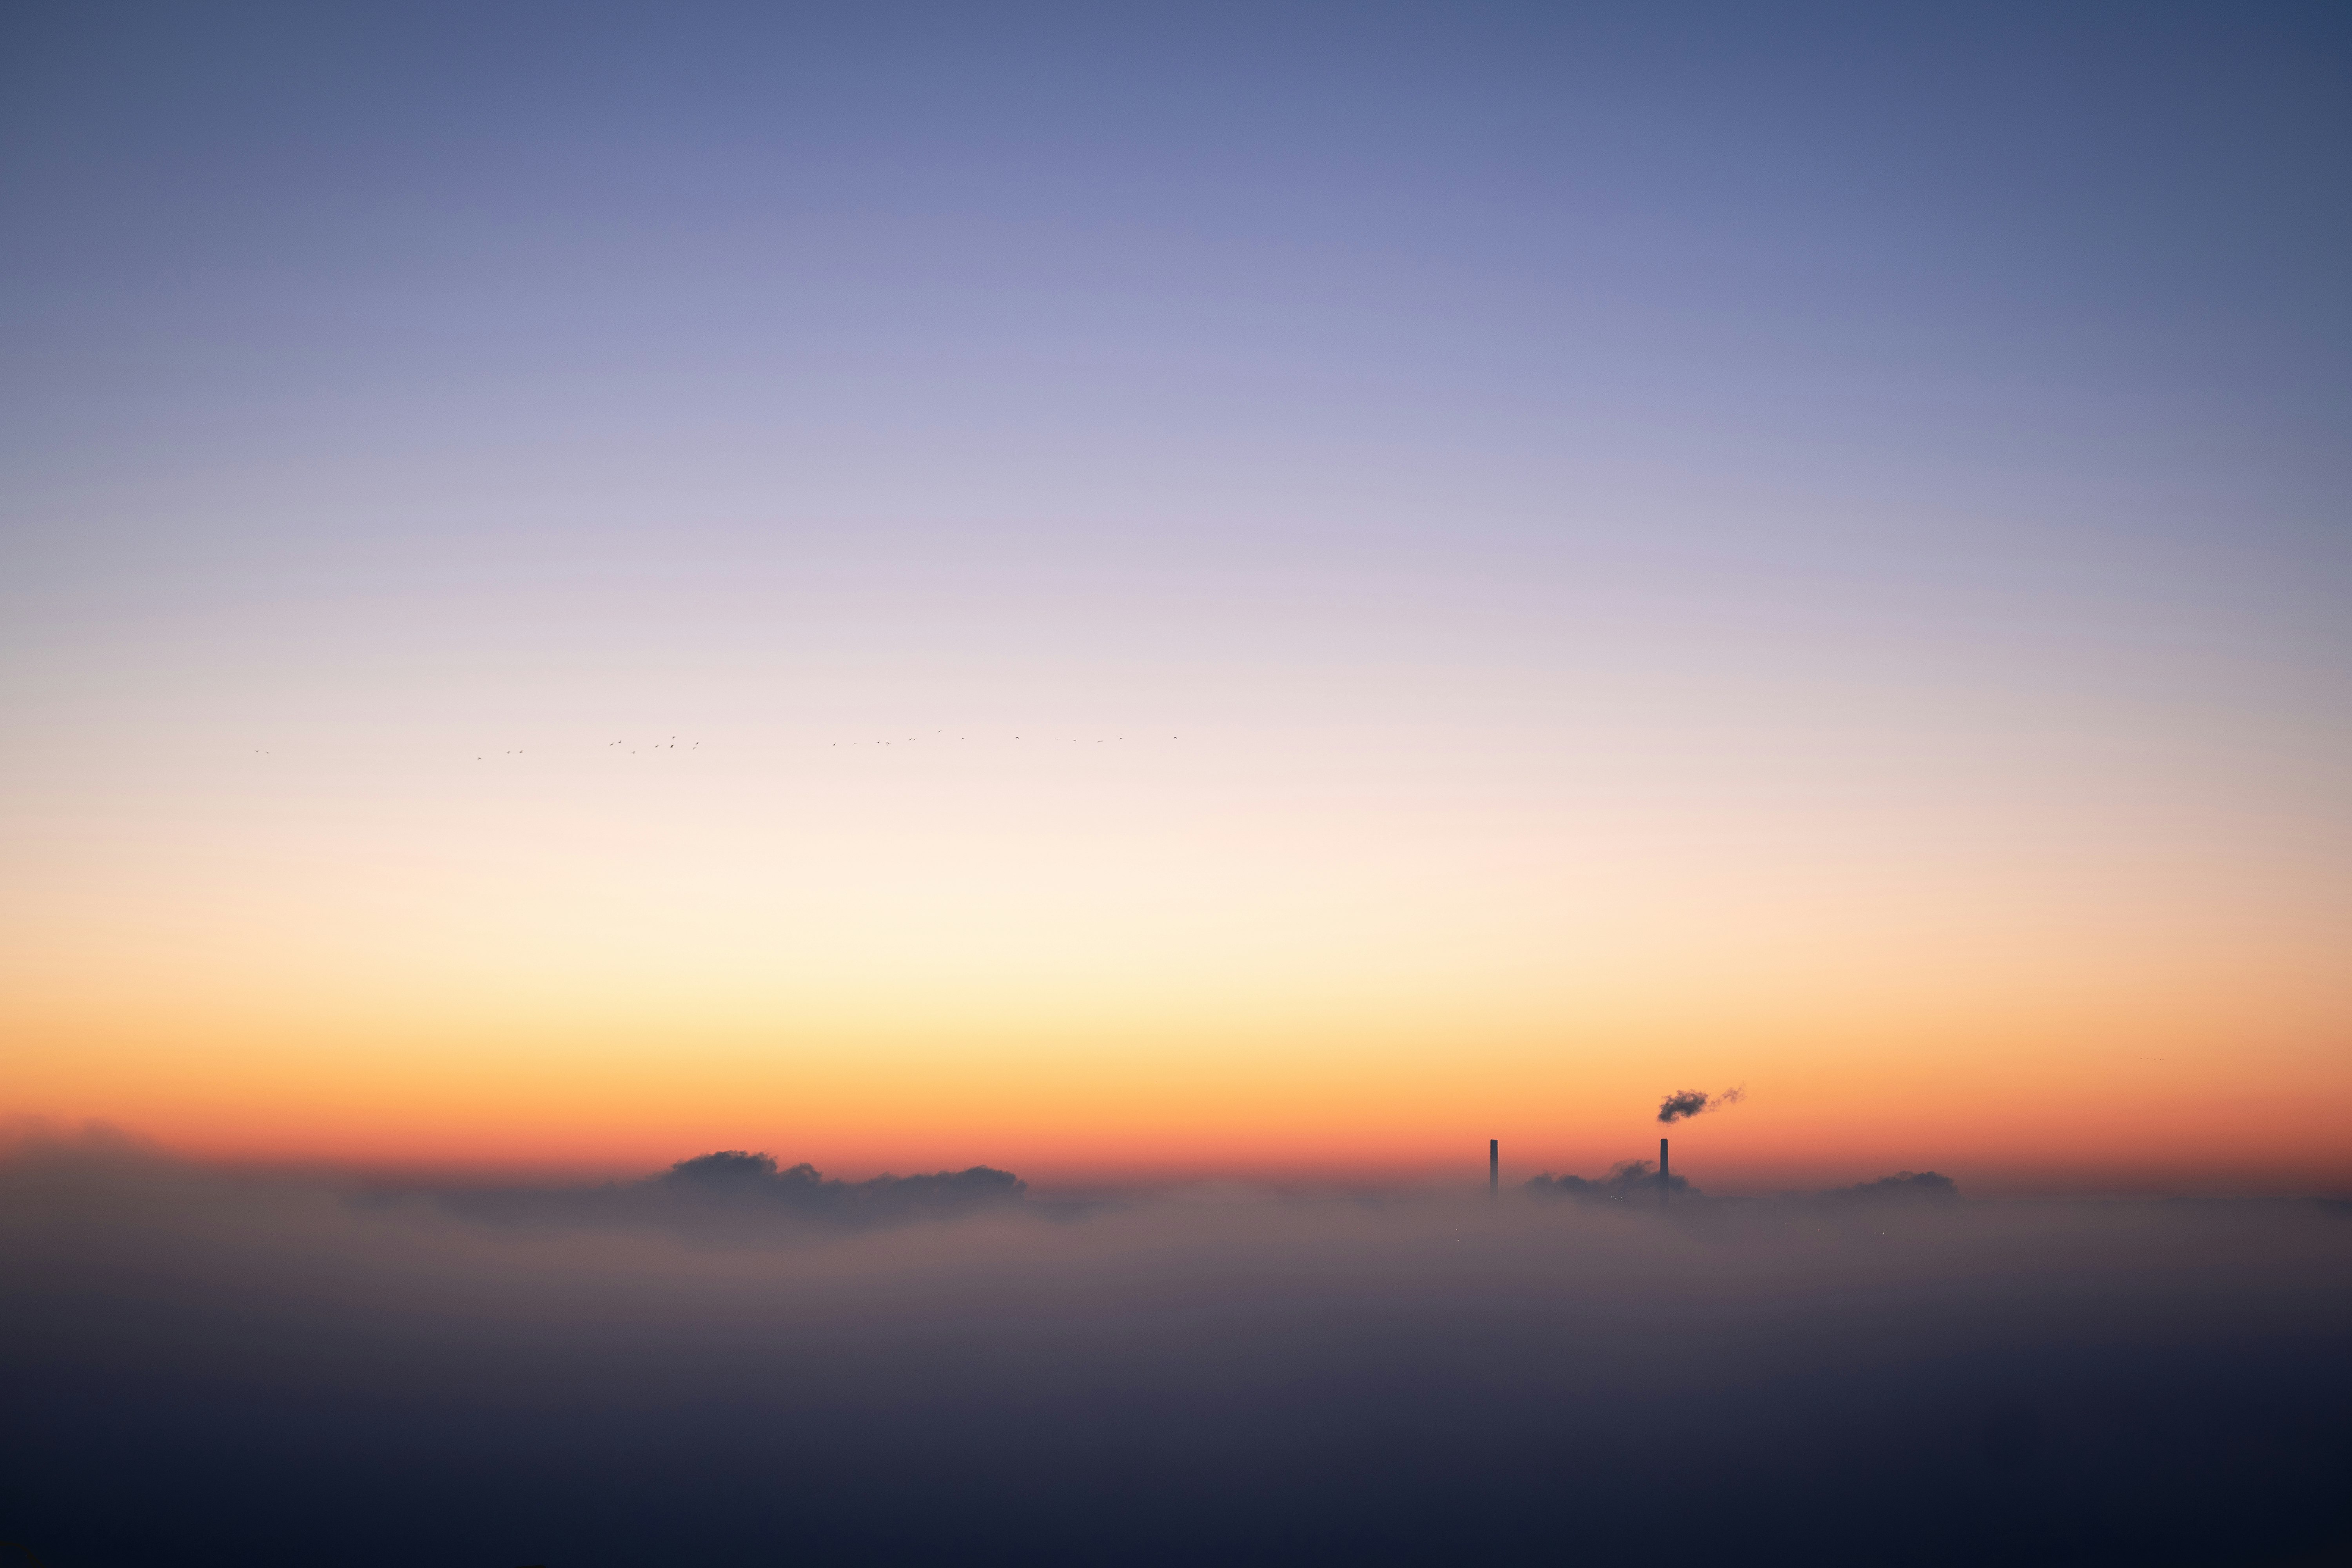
x,y
739,1362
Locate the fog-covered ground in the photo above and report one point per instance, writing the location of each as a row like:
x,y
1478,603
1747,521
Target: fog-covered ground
x,y
735,1362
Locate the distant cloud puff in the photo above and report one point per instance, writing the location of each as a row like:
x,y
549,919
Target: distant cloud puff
x,y
733,1175
1904,1186
733,1187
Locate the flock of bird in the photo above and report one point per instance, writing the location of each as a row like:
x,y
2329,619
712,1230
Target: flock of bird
x,y
635,748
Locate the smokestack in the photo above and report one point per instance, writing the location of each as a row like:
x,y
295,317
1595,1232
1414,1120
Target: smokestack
x,y
1662,1188
1494,1169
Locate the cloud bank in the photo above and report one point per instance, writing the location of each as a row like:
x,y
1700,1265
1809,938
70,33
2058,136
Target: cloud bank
x,y
212,1370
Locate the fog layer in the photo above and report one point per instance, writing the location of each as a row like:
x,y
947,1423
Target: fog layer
x,y
203,1369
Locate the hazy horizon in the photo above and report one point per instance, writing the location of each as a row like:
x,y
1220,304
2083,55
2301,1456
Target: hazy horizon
x,y
1466,1177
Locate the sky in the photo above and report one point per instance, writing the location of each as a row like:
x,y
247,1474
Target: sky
x,y
1144,594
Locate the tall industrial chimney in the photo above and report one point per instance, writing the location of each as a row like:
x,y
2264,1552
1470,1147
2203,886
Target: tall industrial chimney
x,y
1662,1188
1494,1169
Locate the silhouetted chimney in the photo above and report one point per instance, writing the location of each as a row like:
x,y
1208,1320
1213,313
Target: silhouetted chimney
x,y
1662,1188
1494,1168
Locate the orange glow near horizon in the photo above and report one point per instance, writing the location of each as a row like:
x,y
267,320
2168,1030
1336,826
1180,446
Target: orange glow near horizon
x,y
1137,974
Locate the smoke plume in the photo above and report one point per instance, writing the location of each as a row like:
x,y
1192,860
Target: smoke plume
x,y
1688,1103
